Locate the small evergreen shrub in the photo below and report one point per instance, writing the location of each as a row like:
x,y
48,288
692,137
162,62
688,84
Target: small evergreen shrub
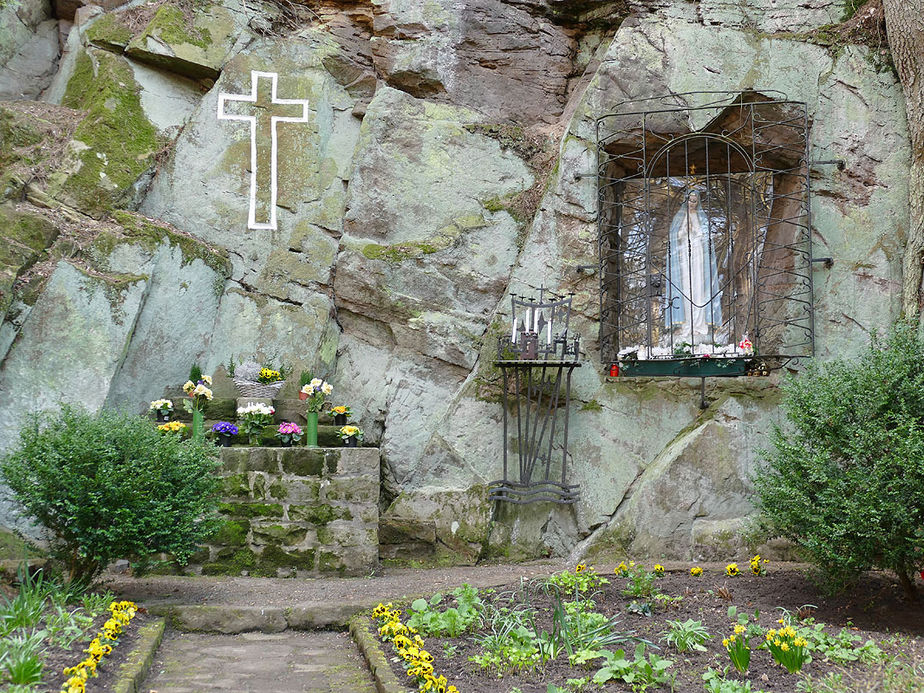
x,y
110,486
844,479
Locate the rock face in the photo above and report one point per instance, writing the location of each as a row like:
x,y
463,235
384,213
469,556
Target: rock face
x,y
444,160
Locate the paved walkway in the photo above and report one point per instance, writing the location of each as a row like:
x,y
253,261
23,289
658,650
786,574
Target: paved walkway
x,y
289,662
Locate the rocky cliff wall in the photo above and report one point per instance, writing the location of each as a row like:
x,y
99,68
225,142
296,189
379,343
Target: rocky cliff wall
x,y
438,165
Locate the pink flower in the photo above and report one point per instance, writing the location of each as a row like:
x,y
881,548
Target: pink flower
x,y
289,428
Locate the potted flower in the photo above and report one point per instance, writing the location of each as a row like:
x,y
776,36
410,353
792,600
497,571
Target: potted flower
x,y
162,409
350,435
198,394
315,393
254,416
288,433
341,414
224,432
173,427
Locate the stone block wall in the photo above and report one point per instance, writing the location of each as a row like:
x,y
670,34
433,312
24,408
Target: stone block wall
x,y
295,512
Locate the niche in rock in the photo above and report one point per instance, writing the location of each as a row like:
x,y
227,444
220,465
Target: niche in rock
x,y
704,230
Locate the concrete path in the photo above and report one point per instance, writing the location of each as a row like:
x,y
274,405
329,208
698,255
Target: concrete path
x,y
290,662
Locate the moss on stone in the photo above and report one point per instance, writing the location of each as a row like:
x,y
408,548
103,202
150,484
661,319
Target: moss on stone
x,y
316,514
109,32
278,490
304,462
274,557
149,235
23,239
231,533
235,486
114,144
251,510
13,547
241,560
592,405
172,26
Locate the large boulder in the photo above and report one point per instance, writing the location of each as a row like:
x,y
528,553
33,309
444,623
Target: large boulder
x,y
28,48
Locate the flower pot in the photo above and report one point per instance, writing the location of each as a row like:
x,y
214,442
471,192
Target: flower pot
x,y
163,417
302,395
286,443
224,440
350,442
311,429
340,419
198,425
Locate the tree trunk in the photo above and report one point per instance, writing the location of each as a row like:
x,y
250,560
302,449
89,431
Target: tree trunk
x,y
905,28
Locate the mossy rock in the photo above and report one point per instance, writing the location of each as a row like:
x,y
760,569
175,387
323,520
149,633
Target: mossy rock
x,y
194,43
274,557
231,533
24,236
113,145
235,564
250,511
317,515
109,32
138,230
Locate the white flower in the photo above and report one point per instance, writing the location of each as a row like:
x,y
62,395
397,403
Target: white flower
x,y
207,379
307,389
316,383
255,408
161,404
202,390
188,386
327,388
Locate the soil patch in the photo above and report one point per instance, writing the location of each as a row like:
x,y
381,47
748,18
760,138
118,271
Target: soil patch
x,y
875,608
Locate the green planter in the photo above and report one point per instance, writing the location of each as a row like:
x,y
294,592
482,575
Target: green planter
x,y
685,368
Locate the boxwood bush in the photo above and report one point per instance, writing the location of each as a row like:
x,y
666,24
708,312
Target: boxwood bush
x,y
844,479
108,485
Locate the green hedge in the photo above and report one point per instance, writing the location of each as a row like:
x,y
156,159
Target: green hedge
x,y
109,486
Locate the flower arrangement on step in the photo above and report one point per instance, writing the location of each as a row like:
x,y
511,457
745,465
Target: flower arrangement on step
x,y
317,391
351,435
288,433
253,417
224,431
259,380
198,394
162,409
341,414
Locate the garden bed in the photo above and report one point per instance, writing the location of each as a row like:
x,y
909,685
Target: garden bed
x,y
875,609
47,628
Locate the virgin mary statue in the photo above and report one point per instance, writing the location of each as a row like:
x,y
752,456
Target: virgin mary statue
x,y
694,304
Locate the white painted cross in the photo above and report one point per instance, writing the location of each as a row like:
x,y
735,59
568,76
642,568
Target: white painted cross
x,y
263,111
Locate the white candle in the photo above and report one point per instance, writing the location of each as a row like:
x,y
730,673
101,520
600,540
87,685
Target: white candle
x,y
536,321
549,338
513,332
529,312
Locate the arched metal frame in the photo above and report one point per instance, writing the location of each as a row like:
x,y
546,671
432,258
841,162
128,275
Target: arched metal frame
x,y
749,161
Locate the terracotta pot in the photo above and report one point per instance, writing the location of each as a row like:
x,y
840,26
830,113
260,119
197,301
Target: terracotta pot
x,y
302,395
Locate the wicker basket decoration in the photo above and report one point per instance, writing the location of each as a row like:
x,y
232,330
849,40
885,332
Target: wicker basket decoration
x,y
245,379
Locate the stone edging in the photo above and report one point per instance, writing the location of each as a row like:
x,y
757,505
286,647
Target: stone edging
x,y
385,679
133,671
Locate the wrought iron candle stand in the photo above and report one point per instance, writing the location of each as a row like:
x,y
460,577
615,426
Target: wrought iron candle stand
x,y
538,357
